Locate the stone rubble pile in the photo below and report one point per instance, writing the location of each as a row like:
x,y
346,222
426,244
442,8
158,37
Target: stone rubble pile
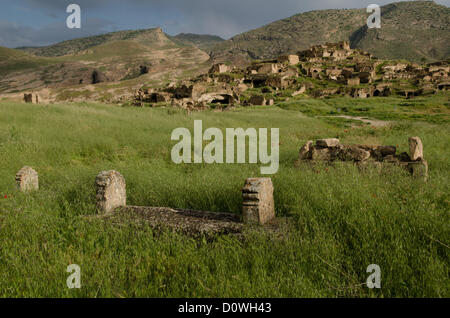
x,y
332,150
348,72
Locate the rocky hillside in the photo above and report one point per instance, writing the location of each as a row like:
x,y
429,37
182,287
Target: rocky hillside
x,y
204,42
150,37
106,66
414,30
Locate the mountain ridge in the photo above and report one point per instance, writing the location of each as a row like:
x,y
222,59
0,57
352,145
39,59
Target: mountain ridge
x,y
413,30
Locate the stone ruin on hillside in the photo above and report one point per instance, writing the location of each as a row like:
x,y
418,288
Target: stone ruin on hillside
x,y
31,98
331,150
348,72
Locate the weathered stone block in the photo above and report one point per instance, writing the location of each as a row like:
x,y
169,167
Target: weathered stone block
x,y
353,153
328,143
258,203
27,179
387,150
353,81
111,191
305,151
419,169
322,154
391,159
415,148
291,59
219,68
257,100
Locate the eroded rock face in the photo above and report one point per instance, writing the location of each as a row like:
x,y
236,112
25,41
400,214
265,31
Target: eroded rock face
x,y
111,191
258,203
415,148
27,179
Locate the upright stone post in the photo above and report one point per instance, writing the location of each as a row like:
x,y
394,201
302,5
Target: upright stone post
x,y
27,179
419,166
415,148
111,191
258,205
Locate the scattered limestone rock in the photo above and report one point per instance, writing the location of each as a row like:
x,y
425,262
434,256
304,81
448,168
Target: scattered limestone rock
x,y
27,179
111,191
258,203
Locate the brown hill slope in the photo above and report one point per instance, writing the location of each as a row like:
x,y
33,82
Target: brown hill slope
x,y
122,60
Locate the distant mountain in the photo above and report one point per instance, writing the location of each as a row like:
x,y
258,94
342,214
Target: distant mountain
x,y
204,42
154,38
132,58
413,30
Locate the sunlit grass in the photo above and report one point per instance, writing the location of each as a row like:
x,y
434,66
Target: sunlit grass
x,y
342,220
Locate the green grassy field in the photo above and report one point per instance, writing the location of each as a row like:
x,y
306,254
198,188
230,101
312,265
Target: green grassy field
x,y
341,220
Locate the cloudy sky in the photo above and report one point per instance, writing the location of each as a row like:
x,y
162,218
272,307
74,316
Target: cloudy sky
x,y
42,22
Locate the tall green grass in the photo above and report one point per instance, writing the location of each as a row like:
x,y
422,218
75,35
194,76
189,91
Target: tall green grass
x,y
340,220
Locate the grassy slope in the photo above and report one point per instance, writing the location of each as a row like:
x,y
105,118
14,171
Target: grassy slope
x,y
14,60
343,220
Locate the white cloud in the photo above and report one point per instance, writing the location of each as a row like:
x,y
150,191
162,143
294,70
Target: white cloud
x,y
15,35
